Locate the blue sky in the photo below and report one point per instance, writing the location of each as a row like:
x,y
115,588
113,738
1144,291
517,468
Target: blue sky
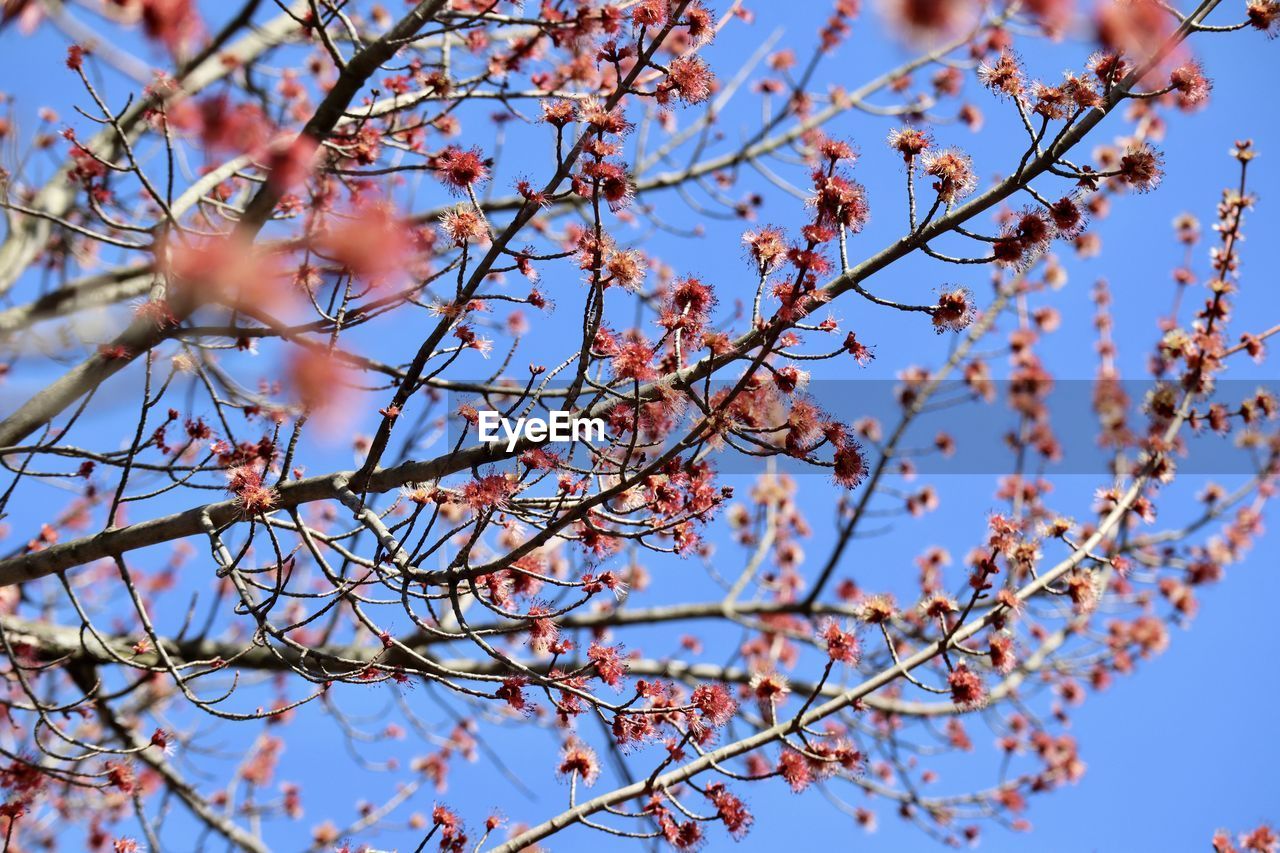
x,y
1180,749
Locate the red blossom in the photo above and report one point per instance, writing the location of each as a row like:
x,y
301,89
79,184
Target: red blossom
x,y
955,310
1002,656
608,663
730,809
700,23
967,689
1140,168
953,171
794,768
910,142
1004,76
1067,217
120,776
579,760
649,13
634,360
839,201
173,23
543,632
1264,15
842,646
488,492
850,465
460,169
714,704
766,247
1191,84
691,79
372,242
253,496
559,113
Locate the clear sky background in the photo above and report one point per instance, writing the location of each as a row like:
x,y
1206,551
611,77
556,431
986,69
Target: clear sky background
x,y
1187,745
